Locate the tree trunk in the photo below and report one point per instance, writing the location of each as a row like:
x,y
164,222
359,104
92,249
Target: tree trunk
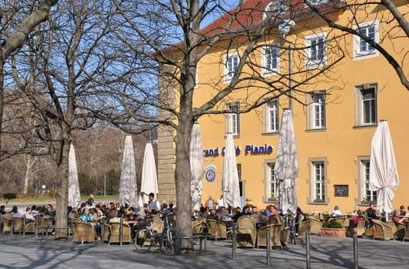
x,y
1,102
27,177
62,187
183,180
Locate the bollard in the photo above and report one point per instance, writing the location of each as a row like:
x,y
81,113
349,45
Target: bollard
x,y
24,226
355,237
234,242
36,228
307,250
268,246
102,230
120,231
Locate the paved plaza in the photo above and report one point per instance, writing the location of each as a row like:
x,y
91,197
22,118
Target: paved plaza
x,y
17,251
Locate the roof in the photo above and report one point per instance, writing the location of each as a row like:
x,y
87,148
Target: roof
x,y
249,16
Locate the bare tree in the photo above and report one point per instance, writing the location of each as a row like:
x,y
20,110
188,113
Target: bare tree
x,y
18,18
74,58
167,39
393,18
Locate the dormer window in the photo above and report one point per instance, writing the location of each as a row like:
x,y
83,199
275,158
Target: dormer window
x,y
275,8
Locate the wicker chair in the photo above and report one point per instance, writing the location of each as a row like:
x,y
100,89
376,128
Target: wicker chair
x,y
107,232
360,228
315,224
197,226
304,227
83,232
217,229
406,237
246,232
30,226
45,221
382,230
276,219
6,224
18,225
274,235
157,224
284,233
114,233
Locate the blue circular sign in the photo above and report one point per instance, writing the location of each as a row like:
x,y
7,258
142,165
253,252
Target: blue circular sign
x,y
210,175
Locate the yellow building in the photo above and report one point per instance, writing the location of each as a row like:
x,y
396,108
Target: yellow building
x,y
335,113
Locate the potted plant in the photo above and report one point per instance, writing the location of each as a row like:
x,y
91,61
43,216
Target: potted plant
x,y
333,229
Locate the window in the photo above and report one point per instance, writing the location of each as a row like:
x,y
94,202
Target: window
x,y
272,182
232,64
366,105
275,8
272,116
318,184
367,195
316,110
371,30
270,59
316,52
233,119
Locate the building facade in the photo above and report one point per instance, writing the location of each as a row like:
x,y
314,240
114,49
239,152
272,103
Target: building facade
x,y
335,114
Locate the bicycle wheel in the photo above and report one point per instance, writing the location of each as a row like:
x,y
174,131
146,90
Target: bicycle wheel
x,y
143,240
168,243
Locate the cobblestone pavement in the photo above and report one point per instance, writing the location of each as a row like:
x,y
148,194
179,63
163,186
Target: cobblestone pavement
x,y
17,251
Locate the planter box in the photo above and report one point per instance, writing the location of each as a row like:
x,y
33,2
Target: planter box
x,y
333,232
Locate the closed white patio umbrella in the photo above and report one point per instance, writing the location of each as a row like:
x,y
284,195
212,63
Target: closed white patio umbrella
x,y
127,185
286,165
149,178
74,197
196,166
383,173
230,180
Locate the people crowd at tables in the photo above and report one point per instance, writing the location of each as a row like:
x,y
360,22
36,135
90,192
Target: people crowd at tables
x,y
93,212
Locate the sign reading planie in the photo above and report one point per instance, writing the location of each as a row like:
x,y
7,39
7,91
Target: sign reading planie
x,y
248,150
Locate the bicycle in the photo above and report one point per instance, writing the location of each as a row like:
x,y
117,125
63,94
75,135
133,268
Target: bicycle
x,y
290,225
146,236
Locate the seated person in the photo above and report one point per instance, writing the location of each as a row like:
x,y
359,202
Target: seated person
x,y
87,217
15,213
397,219
356,214
267,211
29,214
402,211
372,213
212,215
245,211
337,212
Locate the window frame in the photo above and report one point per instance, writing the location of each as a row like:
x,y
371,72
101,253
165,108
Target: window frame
x,y
312,64
267,71
358,54
269,174
230,120
311,113
227,74
363,177
312,181
360,106
267,116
